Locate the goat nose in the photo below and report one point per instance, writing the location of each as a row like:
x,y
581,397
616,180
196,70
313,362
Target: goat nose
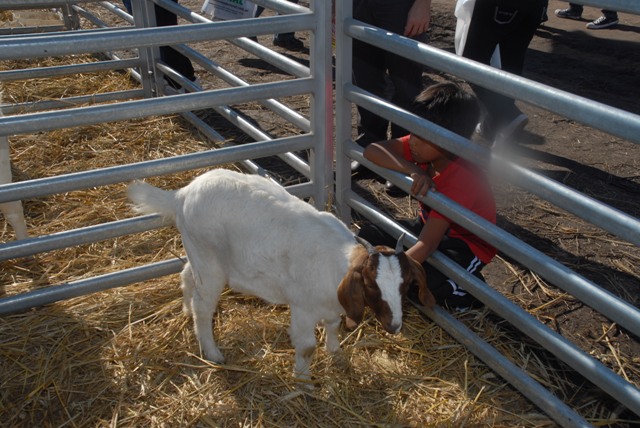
x,y
394,328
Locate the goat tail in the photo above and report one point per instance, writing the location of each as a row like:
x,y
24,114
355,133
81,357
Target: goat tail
x,y
148,199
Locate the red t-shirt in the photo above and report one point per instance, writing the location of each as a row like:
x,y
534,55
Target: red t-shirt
x,y
464,183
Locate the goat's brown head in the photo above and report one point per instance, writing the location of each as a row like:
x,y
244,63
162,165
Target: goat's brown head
x,y
379,277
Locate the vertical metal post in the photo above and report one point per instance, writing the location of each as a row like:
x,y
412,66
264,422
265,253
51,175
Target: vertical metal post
x,y
344,10
321,161
144,16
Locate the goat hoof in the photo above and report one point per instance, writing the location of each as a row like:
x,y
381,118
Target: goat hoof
x,y
214,356
304,383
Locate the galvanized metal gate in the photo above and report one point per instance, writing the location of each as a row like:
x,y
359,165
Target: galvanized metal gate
x,y
316,135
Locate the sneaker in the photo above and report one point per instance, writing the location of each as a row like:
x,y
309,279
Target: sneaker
x,y
602,22
568,13
289,43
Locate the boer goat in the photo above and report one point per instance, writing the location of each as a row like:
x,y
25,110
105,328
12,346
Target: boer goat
x,y
249,233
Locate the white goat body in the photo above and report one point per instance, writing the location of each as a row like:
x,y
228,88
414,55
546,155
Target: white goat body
x,y
249,233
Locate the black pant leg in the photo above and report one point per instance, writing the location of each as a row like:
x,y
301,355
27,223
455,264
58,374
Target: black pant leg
x,y
168,55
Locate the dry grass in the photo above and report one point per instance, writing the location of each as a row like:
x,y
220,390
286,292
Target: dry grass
x,y
128,357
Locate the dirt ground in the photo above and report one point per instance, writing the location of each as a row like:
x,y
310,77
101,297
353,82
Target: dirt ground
x,y
599,65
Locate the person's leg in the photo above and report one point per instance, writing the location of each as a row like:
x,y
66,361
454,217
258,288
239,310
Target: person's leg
x,y
369,71
370,66
288,40
406,77
405,74
170,56
509,25
482,39
514,41
446,291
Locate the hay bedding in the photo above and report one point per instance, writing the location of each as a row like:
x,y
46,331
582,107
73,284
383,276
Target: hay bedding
x,y
128,357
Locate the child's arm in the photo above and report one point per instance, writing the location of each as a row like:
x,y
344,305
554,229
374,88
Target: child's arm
x,y
430,236
390,154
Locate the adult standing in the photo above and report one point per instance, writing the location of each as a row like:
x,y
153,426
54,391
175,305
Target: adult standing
x,y
509,24
383,73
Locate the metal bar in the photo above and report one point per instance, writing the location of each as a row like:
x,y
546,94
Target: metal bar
x,y
118,174
276,59
30,246
36,122
34,106
91,42
614,385
275,106
65,70
11,31
344,126
601,116
83,287
38,4
321,107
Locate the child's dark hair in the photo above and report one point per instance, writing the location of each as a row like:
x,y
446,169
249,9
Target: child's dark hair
x,y
448,105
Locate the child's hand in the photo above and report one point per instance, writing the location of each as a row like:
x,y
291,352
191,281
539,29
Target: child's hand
x,y
421,184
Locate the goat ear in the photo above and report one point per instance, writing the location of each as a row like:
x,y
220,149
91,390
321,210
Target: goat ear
x,y
351,297
420,278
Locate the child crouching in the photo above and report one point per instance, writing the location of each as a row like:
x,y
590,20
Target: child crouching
x,y
449,106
